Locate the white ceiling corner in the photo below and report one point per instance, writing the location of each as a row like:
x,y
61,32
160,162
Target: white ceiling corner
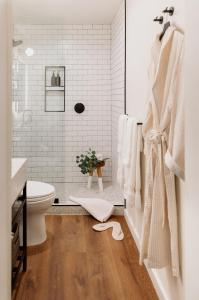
x,y
64,11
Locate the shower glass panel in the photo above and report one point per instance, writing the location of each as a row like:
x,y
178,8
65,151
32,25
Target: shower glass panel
x,y
93,57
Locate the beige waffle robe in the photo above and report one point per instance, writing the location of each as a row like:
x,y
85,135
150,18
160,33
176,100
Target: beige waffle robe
x,y
164,146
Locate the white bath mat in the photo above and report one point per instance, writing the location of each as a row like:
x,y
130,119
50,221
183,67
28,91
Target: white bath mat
x,y
100,209
117,232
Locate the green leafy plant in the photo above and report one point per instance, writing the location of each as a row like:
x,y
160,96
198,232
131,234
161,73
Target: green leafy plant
x,y
89,162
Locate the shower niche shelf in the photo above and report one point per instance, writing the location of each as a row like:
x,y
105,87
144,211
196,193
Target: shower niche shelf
x,y
54,89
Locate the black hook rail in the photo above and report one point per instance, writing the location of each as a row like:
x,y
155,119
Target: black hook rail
x,y
169,11
159,19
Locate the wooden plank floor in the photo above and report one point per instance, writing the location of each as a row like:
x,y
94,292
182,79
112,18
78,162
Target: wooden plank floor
x,y
77,263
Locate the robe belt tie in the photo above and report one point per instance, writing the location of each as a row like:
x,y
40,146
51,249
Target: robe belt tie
x,y
157,136
157,144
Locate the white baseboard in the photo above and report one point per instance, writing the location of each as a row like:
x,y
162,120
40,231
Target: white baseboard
x,y
152,272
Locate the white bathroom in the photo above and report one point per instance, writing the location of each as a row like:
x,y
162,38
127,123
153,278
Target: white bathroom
x,y
99,149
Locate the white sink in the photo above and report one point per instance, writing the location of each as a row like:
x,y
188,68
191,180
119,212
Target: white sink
x,y
18,177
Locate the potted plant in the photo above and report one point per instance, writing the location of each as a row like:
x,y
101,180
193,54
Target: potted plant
x,y
88,163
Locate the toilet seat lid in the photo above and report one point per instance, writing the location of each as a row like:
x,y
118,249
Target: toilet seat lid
x,y
37,189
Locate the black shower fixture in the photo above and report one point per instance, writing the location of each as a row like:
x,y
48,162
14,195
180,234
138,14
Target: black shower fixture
x,y
79,108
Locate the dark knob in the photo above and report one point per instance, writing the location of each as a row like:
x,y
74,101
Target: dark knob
x,y
79,108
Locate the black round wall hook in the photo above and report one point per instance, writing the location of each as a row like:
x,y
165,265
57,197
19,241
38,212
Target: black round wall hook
x,y
159,19
169,10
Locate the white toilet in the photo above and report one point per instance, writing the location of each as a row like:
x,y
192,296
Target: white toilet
x,y
40,197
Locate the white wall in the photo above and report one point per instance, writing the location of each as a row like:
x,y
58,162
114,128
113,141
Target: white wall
x,y
141,32
191,205
5,219
117,77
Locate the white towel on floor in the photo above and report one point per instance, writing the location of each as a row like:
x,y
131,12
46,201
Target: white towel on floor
x,y
122,126
100,209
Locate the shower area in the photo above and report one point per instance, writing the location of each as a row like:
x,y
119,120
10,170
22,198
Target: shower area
x,y
89,60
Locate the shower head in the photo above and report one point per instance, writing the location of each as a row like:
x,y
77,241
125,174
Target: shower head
x,y
16,43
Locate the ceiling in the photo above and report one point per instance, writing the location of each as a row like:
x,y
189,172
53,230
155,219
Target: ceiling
x,y
64,11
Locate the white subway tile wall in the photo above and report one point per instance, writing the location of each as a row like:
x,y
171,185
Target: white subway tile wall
x,y
117,78
51,140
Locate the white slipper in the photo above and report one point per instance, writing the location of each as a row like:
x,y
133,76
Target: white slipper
x,y
102,226
117,232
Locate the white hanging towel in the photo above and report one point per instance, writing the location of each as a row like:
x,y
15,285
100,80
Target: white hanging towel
x,y
122,126
100,209
130,169
129,140
139,148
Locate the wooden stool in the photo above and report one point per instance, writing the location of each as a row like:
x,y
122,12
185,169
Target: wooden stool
x,y
99,175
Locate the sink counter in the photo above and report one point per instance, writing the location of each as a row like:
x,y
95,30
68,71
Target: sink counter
x,y
18,177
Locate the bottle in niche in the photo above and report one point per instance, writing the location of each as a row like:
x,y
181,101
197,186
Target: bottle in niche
x,y
53,79
58,79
